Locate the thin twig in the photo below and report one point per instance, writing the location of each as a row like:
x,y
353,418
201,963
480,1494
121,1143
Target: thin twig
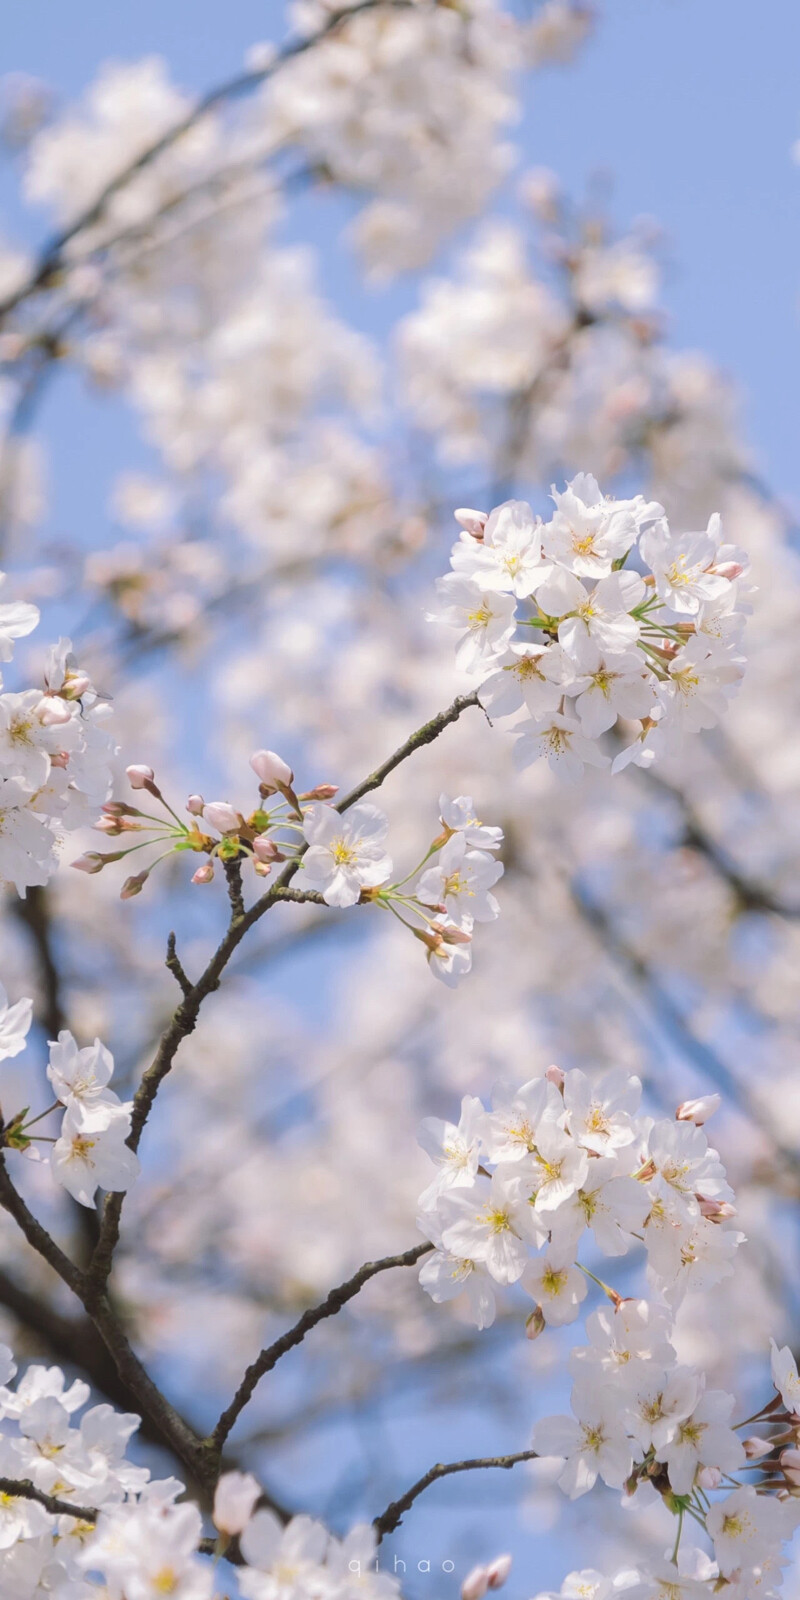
x,y
329,1307
394,1513
174,965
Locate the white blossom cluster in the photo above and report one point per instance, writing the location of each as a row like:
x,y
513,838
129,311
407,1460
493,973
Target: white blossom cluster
x,y
138,1542
54,756
341,855
571,1159
573,1162
90,1152
603,642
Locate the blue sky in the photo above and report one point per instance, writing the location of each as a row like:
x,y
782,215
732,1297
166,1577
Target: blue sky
x,y
692,108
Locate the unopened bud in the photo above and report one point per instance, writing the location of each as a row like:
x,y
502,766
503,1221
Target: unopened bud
x,y
261,868
790,1464
755,1448
109,825
498,1571
60,759
709,1477
475,1584
140,777
471,521
321,791
195,805
222,816
234,1499
91,862
75,686
203,874
729,569
716,1210
555,1076
266,851
51,711
534,1324
272,772
134,885
698,1111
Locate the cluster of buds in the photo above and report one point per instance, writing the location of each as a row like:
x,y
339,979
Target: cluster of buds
x,y
216,829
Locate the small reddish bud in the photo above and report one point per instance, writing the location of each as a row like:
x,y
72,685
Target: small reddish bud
x,y
534,1324
556,1076
195,805
203,874
266,851
321,791
134,885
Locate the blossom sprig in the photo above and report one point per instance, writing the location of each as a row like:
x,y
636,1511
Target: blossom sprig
x,y
599,643
341,856
90,1150
570,1160
266,835
346,862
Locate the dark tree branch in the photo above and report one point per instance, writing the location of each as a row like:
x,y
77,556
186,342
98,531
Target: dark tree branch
x,y
394,1513
23,1489
174,965
329,1307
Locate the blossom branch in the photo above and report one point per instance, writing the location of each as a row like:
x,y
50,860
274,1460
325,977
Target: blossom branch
x,y
51,258
329,1307
394,1513
184,1019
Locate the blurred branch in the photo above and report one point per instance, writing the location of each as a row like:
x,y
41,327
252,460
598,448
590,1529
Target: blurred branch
x,y
51,259
394,1513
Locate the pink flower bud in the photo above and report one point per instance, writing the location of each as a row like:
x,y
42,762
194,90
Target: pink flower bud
x,y
755,1448
534,1324
498,1571
729,569
75,685
556,1076
475,1584
790,1462
709,1477
321,791
270,770
265,850
91,862
473,522
234,1499
52,711
716,1210
110,825
140,777
60,759
195,805
203,874
698,1111
218,814
134,885
261,869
